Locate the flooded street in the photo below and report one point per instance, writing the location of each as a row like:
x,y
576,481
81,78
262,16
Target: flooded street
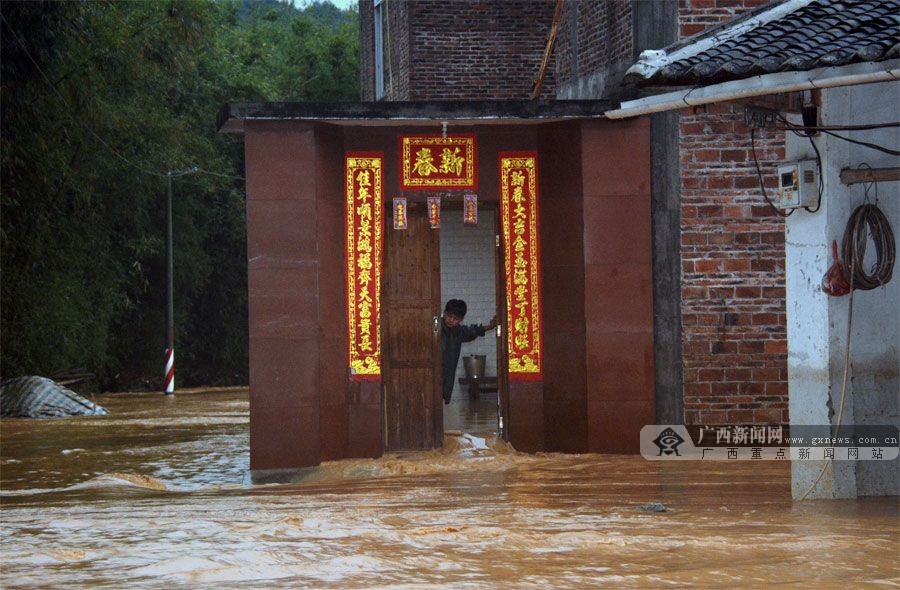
x,y
156,495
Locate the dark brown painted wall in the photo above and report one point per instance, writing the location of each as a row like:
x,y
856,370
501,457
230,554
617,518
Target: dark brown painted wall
x,y
334,417
283,267
618,280
303,409
562,269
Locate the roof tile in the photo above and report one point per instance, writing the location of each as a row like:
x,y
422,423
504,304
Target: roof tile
x,y
822,33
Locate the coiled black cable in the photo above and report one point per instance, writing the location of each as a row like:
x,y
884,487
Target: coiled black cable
x,y
868,220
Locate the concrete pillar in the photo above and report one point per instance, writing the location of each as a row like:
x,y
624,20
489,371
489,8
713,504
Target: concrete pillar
x,y
817,323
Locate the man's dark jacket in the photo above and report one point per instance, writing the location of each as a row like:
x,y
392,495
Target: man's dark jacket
x,y
451,344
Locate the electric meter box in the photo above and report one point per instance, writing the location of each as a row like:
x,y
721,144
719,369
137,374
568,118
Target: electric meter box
x,y
798,185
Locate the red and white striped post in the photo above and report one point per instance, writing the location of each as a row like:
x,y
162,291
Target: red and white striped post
x,y
170,371
170,307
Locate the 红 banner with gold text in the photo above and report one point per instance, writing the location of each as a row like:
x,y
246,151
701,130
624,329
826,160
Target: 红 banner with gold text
x,y
363,186
519,220
438,163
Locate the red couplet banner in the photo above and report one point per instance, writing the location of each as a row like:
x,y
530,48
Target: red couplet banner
x,y
363,212
519,220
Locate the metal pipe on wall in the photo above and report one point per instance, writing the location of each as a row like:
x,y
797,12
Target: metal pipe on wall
x,y
866,73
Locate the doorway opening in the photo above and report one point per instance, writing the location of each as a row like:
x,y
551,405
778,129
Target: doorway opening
x,y
423,269
469,263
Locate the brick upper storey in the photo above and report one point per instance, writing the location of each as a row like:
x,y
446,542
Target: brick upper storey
x,y
446,50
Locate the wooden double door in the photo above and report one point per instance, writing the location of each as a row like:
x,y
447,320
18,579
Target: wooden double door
x,y
411,335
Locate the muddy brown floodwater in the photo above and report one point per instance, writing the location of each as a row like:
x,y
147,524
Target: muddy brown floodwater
x,y
154,496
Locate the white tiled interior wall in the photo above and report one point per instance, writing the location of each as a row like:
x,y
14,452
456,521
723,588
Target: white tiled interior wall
x,y
468,273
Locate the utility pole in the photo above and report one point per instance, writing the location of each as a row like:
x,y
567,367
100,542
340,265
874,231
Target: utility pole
x,y
170,303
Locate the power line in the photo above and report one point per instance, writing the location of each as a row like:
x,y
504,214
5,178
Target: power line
x,y
69,107
872,146
829,130
762,184
861,127
103,142
202,171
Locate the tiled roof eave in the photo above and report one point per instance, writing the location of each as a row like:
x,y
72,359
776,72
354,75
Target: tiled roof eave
x,y
653,60
793,36
696,77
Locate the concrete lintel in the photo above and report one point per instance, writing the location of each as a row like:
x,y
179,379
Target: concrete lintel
x,y
231,117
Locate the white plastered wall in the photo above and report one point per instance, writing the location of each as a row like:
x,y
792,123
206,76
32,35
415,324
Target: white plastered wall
x,y
468,273
817,323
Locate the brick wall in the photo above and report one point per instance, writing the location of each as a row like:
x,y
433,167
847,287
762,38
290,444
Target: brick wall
x,y
478,49
395,49
468,273
732,282
366,50
593,47
459,49
732,250
698,15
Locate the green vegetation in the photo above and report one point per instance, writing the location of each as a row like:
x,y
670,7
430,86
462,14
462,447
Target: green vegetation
x,y
99,100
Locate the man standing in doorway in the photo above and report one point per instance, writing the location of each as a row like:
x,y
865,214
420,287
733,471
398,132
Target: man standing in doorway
x,y
453,334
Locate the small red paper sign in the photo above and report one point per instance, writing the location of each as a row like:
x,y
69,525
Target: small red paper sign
x,y
470,210
434,212
400,213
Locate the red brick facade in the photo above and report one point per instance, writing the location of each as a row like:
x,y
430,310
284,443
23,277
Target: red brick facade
x,y
732,246
695,16
446,50
732,250
732,282
593,37
396,53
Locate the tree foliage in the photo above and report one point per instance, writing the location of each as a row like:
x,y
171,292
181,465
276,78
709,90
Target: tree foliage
x,y
100,100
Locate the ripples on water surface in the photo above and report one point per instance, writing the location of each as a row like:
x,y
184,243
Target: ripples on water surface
x,y
154,496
